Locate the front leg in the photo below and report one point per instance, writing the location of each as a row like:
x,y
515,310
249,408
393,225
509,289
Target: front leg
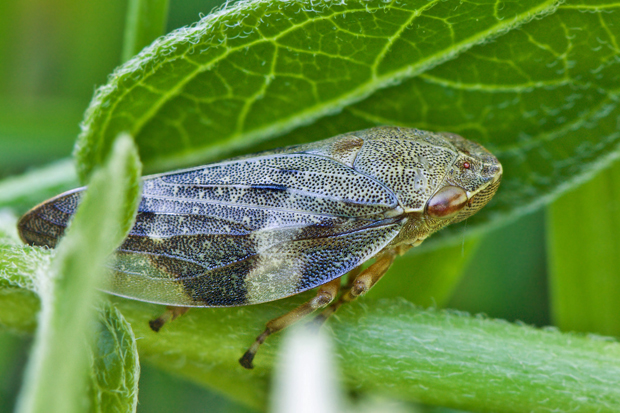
x,y
362,283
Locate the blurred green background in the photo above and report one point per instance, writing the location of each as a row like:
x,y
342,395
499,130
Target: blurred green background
x,y
54,53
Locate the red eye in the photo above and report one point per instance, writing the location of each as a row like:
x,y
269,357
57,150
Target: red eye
x,y
466,165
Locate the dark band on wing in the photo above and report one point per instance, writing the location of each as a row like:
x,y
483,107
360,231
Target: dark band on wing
x,y
221,277
222,287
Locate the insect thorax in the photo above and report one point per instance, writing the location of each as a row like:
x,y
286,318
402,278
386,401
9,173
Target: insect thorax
x,y
410,162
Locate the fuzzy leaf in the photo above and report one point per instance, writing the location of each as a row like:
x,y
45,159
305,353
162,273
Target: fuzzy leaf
x,y
542,95
258,68
53,381
544,98
115,364
390,346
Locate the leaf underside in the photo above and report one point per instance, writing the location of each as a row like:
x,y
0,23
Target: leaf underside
x,y
541,93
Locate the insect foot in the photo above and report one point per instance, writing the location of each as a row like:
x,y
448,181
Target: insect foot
x,y
169,315
267,226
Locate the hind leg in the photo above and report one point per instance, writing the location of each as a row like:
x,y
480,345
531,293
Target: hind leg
x,y
324,296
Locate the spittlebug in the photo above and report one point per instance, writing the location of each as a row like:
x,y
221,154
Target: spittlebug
x,y
264,227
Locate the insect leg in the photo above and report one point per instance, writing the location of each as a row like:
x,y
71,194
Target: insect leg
x,y
324,296
170,314
352,276
361,284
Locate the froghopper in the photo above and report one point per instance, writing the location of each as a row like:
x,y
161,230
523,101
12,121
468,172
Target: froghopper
x,y
270,225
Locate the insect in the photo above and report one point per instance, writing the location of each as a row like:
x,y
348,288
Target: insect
x,y
267,226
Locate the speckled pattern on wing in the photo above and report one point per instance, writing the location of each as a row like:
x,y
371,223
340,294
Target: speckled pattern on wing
x,y
288,182
44,224
222,228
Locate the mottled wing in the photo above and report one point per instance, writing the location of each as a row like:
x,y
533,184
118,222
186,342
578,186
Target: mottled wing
x,y
252,273
252,230
240,232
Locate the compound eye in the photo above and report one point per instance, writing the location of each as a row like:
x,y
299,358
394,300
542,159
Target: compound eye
x,y
447,202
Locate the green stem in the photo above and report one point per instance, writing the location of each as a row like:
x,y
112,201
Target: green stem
x,y
146,21
390,346
473,363
583,227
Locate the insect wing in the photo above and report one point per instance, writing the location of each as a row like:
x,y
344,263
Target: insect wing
x,y
284,269
45,224
252,230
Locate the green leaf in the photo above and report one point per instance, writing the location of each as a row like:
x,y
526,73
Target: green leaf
x,y
583,255
114,361
543,95
54,382
544,98
389,346
257,69
115,364
523,369
19,309
19,265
